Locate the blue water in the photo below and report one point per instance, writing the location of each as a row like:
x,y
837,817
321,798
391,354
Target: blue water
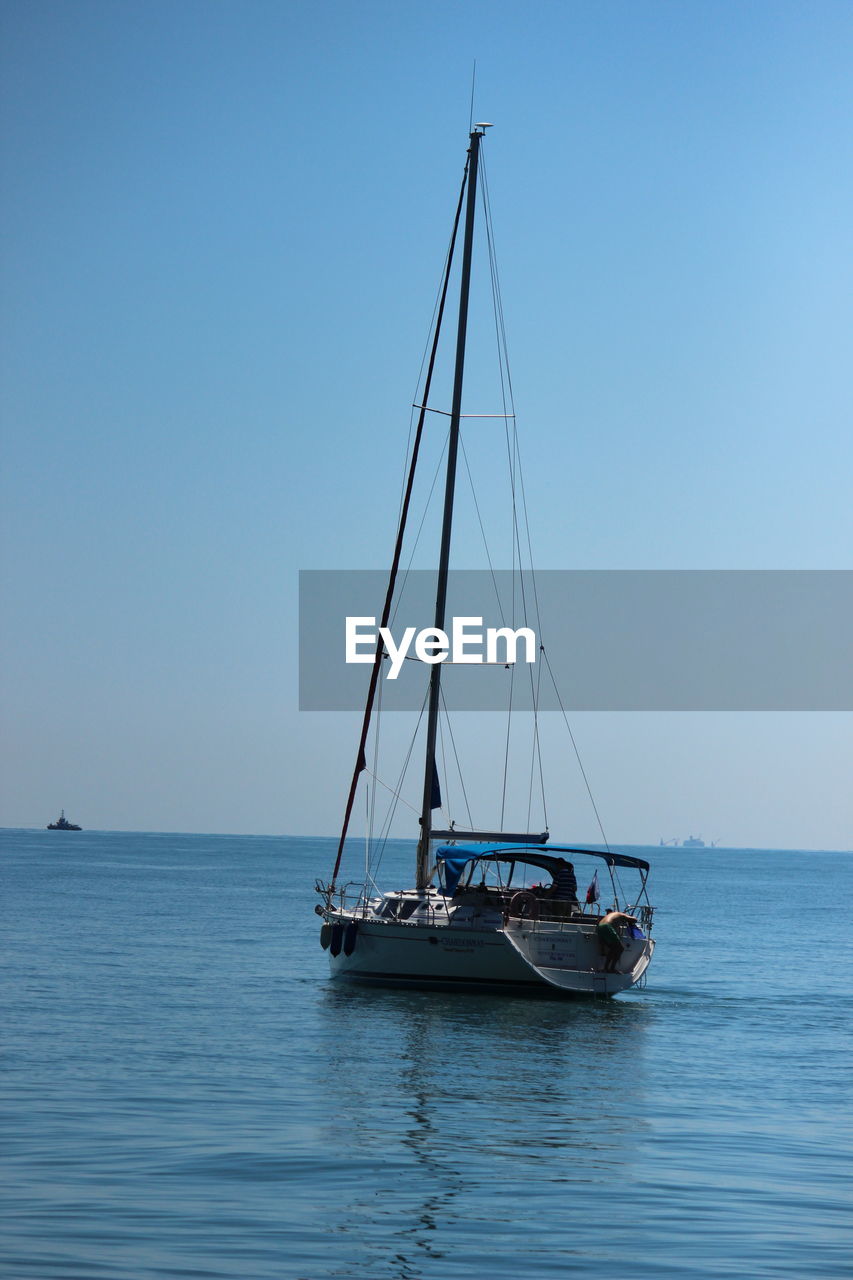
x,y
185,1094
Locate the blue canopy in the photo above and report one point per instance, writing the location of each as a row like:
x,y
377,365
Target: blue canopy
x,y
456,858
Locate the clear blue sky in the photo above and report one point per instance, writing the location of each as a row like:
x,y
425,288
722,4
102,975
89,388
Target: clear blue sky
x,y
222,227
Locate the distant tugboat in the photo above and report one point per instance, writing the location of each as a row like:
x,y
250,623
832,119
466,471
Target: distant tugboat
x,y
62,824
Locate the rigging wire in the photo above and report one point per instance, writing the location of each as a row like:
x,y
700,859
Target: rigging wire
x,y
367,794
446,806
522,554
504,384
396,794
514,469
437,306
398,544
388,787
456,757
482,529
379,692
425,513
544,653
536,755
508,734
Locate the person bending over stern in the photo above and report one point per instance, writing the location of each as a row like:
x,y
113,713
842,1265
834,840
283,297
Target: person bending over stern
x,y
607,932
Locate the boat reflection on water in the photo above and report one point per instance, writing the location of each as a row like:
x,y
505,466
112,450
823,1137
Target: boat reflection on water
x,y
488,1117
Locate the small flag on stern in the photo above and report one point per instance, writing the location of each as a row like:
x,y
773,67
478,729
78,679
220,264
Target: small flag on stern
x,y
592,891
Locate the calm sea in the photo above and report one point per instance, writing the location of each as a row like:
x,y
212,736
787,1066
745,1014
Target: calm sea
x,y
185,1094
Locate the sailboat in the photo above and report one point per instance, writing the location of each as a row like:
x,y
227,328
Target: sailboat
x,y
490,909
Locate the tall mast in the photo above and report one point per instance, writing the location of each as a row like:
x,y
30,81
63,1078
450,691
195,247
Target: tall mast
x,y
423,867
361,759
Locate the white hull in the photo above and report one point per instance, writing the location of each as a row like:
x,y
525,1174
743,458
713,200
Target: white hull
x,y
534,956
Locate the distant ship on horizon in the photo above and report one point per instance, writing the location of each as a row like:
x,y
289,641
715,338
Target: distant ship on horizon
x,y
62,824
692,842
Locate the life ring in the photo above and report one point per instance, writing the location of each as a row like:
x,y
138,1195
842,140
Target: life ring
x,y
524,904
